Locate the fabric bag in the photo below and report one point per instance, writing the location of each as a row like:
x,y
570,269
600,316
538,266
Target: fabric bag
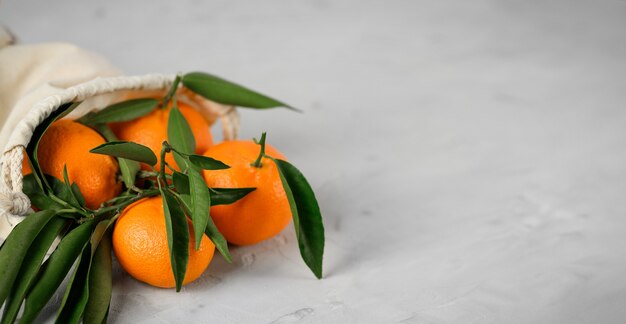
x,y
37,79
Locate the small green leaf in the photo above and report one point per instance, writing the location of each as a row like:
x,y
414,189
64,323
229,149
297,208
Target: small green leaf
x,y
181,183
219,196
128,168
59,188
307,218
180,136
33,144
78,195
55,269
200,204
15,247
218,240
228,93
227,196
30,267
171,92
177,237
127,150
121,111
207,163
75,196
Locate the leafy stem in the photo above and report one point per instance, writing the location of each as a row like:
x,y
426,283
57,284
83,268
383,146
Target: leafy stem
x,y
171,92
261,142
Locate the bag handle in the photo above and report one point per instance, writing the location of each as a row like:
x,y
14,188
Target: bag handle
x,y
13,202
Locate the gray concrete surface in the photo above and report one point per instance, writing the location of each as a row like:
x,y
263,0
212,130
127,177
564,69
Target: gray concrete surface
x,y
468,155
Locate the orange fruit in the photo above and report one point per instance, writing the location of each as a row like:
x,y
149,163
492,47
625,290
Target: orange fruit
x,y
67,142
140,245
261,214
151,130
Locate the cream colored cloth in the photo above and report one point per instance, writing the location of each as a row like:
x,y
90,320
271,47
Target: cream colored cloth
x,y
37,79
29,74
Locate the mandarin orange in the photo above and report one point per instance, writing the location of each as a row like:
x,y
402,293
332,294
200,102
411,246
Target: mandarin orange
x,y
67,143
151,130
140,245
261,214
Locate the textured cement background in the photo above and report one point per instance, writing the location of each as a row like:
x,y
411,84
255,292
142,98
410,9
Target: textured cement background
x,y
468,156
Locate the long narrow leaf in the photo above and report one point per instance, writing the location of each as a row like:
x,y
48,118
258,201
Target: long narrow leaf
x,y
76,197
306,214
218,240
181,183
128,168
207,163
15,247
200,204
180,136
30,267
76,292
211,230
121,111
227,196
228,93
127,150
177,237
55,269
31,148
100,283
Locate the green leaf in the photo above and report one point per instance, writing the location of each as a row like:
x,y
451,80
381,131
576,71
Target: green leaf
x,y
43,202
128,168
177,237
227,196
76,292
30,267
171,92
31,149
100,283
36,195
307,218
15,247
181,183
75,196
180,136
200,204
228,93
207,163
55,269
78,195
218,240
211,230
121,111
127,150
219,196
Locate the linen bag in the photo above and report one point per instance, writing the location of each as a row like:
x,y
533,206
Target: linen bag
x,y
37,79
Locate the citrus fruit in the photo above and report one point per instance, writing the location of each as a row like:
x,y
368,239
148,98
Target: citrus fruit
x,y
262,213
151,130
67,143
140,245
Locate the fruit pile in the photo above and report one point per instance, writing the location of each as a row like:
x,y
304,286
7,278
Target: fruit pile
x,y
142,178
